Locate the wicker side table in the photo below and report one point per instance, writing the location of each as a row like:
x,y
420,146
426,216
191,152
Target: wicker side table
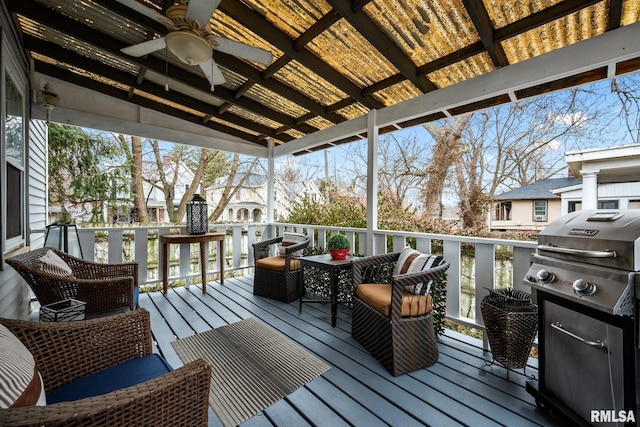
x,y
511,322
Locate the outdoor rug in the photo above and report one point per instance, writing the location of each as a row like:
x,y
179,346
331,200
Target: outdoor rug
x,y
253,367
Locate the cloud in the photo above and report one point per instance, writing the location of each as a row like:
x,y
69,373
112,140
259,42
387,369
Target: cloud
x,y
577,118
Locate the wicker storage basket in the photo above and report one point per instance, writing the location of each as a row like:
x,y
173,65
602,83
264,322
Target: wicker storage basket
x,y
511,322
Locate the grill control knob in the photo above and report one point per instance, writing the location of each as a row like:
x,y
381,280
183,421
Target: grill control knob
x,y
545,276
582,287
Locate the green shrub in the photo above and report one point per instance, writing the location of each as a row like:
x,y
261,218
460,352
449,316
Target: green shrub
x,y
338,241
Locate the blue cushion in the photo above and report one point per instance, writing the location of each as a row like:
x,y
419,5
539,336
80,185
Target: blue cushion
x,y
136,294
126,374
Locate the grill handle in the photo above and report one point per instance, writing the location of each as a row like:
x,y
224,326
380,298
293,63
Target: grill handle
x,y
578,252
599,344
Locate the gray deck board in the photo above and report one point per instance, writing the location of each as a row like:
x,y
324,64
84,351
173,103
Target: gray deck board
x,y
461,389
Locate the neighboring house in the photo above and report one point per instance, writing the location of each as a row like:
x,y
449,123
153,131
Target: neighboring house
x,y
156,201
531,207
249,203
610,179
621,195
603,178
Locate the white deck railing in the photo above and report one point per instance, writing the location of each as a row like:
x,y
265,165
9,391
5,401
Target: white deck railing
x,y
476,263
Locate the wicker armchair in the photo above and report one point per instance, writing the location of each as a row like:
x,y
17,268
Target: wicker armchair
x,y
402,343
277,277
67,351
105,288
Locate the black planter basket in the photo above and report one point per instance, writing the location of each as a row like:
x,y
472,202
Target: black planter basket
x,y
511,322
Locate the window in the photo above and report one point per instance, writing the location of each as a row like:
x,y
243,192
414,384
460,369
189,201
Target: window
x,y
575,206
539,210
607,204
13,171
634,204
502,211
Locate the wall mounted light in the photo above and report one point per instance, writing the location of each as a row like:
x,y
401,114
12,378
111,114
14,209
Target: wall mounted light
x,y
49,99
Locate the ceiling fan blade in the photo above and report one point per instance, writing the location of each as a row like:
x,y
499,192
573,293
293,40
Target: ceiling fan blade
x,y
145,48
213,73
133,4
201,10
245,51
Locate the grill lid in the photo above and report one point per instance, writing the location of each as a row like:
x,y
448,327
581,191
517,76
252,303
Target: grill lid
x,y
599,237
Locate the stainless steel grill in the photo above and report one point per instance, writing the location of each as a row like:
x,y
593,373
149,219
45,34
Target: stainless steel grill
x,y
585,278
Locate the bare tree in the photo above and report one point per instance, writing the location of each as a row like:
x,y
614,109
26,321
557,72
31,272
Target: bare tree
x,y
231,186
448,140
627,93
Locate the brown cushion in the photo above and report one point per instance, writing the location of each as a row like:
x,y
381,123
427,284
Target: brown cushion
x,y
276,263
378,296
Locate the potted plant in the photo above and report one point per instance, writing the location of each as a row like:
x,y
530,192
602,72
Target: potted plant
x,y
339,246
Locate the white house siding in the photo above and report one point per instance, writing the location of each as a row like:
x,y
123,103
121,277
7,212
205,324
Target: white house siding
x,y
14,292
626,193
37,186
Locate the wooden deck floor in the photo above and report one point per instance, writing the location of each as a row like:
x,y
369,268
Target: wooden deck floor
x,y
461,389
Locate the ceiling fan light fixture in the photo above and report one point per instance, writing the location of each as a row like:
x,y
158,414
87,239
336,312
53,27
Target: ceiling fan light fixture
x,y
188,47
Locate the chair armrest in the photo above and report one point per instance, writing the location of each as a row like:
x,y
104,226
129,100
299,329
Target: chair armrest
x,y
261,249
293,248
99,294
83,269
177,398
66,351
360,265
400,281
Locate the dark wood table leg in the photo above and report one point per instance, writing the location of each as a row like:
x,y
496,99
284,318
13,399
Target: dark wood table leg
x,y
334,296
301,286
165,267
221,256
203,266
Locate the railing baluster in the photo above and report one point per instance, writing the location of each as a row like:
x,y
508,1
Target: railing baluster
x,y
241,246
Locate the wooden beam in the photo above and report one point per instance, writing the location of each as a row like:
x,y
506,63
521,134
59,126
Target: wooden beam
x,y
481,20
615,14
258,24
542,17
614,47
60,54
383,44
81,32
90,84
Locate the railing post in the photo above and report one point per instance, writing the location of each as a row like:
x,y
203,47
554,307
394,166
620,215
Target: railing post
x,y
141,242
484,275
251,239
87,243
521,263
115,246
451,252
236,234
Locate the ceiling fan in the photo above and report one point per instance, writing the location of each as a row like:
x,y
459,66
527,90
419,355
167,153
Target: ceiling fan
x,y
190,38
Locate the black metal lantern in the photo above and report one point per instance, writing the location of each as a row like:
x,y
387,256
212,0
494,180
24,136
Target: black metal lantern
x,y
197,215
63,237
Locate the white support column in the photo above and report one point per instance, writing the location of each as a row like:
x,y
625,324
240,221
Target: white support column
x,y
589,189
271,195
372,180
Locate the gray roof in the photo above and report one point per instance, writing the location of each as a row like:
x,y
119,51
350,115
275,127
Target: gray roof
x,y
538,190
